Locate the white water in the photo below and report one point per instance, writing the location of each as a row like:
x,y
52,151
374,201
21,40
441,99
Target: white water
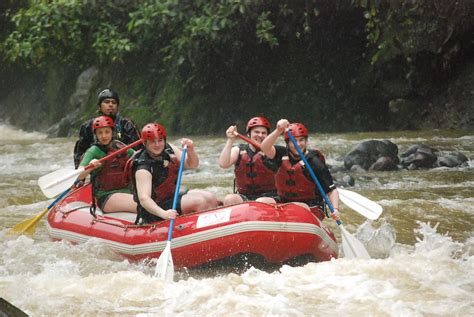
x,y
423,248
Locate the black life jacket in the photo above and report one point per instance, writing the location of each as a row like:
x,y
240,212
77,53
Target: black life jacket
x,y
164,173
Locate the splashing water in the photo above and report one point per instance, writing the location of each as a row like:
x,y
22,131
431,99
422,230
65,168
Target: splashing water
x,y
378,241
415,270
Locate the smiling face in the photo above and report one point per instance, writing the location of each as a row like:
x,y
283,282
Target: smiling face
x,y
301,141
104,135
258,134
156,146
109,107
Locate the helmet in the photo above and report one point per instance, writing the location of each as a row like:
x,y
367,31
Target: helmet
x,y
153,131
258,122
296,129
103,121
107,93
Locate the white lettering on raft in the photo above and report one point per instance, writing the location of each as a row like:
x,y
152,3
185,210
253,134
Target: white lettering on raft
x,y
213,218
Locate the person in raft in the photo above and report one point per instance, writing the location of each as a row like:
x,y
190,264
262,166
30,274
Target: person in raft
x,y
254,171
155,173
293,181
109,179
125,130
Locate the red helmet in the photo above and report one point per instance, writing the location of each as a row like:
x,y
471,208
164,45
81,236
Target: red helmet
x,y
153,131
103,121
258,122
296,129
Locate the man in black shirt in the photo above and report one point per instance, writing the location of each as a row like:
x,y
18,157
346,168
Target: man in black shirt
x,y
126,131
293,181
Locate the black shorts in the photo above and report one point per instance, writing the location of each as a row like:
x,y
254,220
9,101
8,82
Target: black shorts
x,y
144,216
168,204
103,200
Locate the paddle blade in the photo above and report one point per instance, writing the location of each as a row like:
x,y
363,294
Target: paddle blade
x,y
361,204
28,226
164,266
58,181
352,247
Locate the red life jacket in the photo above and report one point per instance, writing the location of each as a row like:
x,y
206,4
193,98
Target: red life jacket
x,y
253,175
113,175
292,184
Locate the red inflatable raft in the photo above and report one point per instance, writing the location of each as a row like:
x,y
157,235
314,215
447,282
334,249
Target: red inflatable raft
x,y
276,234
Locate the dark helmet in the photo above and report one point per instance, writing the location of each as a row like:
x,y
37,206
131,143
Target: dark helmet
x,y
153,131
258,122
297,130
107,93
103,121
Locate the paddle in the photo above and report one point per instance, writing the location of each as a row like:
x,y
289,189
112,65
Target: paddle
x,y
56,182
357,202
366,207
29,226
248,140
351,246
165,267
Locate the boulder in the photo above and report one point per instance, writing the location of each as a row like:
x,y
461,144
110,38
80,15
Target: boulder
x,y
418,156
384,163
453,159
368,152
345,181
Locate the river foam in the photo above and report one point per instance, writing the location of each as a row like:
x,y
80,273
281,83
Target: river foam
x,y
433,277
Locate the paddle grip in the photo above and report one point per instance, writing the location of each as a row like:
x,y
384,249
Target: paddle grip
x,y
311,172
125,148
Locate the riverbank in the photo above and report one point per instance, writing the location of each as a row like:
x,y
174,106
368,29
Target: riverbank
x,y
31,107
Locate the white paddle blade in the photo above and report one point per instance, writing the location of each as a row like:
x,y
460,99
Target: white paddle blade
x,y
352,247
58,181
165,267
366,207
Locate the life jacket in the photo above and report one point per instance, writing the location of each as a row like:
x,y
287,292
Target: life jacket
x,y
112,175
254,174
164,173
291,182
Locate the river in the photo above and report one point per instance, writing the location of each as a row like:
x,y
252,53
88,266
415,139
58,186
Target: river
x,y
423,244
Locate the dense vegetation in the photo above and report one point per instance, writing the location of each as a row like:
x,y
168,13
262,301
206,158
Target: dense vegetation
x,y
198,65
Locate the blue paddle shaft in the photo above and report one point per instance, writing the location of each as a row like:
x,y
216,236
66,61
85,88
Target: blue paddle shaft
x,y
59,198
311,172
176,193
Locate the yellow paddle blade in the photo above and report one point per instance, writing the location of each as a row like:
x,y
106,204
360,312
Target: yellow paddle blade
x,y
28,226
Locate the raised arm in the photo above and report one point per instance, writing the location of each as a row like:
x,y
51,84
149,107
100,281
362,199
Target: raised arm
x,y
267,145
192,160
229,153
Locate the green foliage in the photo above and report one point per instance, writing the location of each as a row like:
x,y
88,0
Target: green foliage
x,y
68,30
182,33
313,60
407,28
